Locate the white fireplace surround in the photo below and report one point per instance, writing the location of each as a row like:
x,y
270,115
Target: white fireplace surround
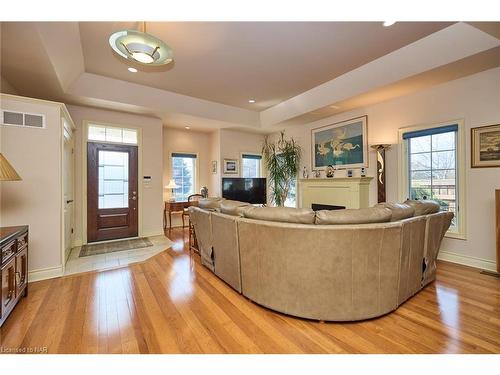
x,y
350,192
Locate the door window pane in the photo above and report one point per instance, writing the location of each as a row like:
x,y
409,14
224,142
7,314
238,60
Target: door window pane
x,y
113,179
433,169
183,173
100,133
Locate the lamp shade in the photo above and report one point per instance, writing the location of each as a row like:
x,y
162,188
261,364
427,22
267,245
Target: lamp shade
x,y
7,172
172,185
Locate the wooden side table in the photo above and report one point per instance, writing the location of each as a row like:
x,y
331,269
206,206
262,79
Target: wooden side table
x,y
171,207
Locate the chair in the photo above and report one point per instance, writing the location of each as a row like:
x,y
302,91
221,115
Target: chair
x,y
192,238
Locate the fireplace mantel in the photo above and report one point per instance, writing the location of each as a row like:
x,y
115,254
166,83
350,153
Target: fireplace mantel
x,y
351,192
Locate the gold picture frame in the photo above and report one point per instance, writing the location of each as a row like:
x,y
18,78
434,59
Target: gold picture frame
x,y
485,146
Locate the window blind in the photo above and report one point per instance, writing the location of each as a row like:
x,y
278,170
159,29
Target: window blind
x,y
431,131
250,156
183,155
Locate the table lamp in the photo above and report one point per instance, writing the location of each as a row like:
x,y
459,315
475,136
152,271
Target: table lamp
x,y
7,172
172,185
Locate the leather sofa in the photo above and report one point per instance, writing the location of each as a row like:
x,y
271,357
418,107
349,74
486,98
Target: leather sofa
x,y
342,265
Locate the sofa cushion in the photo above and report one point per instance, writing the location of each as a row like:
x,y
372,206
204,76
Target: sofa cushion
x,y
399,211
423,207
353,216
234,208
212,203
281,214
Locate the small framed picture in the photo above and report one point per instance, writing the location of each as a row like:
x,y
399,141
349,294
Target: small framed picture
x,y
485,146
214,166
231,166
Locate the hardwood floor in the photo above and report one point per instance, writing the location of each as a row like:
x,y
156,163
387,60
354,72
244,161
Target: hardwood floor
x,y
172,304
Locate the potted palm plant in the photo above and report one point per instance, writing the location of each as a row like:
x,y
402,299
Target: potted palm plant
x,y
282,160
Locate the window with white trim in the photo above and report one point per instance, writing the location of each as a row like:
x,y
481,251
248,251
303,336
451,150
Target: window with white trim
x,y
250,165
432,167
184,174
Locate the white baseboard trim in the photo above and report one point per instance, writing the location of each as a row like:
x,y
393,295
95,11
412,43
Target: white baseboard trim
x,y
466,260
45,273
77,242
153,234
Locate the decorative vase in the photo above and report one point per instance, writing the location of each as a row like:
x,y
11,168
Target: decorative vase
x,y
305,174
330,172
204,192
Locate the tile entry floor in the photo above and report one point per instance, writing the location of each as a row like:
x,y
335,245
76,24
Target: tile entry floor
x,y
75,264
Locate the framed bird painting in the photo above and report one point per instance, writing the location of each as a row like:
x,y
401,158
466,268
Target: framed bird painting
x,y
342,145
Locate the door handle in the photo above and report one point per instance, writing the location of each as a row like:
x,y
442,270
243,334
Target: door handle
x,y
134,198
69,201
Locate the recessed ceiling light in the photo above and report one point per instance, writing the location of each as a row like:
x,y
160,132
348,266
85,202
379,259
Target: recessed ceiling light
x,y
187,127
251,101
389,23
132,70
334,107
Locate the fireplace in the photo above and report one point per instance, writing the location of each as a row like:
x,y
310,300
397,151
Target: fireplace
x,y
342,192
317,207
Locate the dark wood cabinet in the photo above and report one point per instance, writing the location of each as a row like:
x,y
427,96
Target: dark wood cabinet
x,y
13,268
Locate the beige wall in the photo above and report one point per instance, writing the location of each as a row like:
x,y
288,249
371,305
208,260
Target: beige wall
x,y
233,143
6,87
175,140
218,145
37,199
215,178
475,99
152,164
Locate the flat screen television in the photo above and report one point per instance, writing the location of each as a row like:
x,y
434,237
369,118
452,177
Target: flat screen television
x,y
251,190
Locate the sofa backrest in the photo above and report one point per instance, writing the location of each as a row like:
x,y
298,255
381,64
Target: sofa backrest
x,y
423,207
399,211
281,214
353,216
210,203
234,208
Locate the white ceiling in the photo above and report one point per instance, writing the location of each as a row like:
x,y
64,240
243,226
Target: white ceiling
x,y
231,62
295,70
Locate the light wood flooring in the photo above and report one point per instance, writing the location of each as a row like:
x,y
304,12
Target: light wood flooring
x,y
172,304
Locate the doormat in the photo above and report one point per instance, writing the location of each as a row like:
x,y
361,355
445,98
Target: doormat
x,y
111,247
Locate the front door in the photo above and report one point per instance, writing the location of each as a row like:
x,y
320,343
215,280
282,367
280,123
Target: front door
x,y
112,200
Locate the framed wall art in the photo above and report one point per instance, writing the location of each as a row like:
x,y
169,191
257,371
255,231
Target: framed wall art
x,y
231,166
342,145
485,146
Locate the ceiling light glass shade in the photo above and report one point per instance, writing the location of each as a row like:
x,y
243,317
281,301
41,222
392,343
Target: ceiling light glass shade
x,y
141,47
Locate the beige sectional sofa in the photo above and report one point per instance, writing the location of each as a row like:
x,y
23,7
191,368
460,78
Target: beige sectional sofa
x,y
341,265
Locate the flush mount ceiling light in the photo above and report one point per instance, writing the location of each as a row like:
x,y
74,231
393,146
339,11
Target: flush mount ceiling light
x,y
141,47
